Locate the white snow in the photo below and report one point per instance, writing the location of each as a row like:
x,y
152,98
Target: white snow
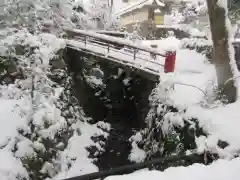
x,y
186,88
219,170
166,44
76,149
136,154
196,32
10,167
231,33
10,119
191,69
221,123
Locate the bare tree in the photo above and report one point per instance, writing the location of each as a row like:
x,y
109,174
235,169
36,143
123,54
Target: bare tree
x,y
221,52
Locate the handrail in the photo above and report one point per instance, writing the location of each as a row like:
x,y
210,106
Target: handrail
x,y
123,62
114,40
120,52
107,45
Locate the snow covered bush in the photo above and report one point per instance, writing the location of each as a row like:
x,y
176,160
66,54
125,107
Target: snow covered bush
x,y
52,123
170,131
200,45
53,15
176,123
34,15
167,132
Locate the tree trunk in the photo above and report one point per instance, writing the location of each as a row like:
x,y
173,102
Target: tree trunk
x,y
221,53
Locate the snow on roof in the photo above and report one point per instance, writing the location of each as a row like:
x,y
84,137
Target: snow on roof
x,y
157,10
137,5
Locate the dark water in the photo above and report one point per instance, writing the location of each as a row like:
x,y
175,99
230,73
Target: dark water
x,y
118,106
123,105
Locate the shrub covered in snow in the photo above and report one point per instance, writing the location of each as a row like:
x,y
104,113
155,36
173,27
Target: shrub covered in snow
x,y
49,130
201,45
183,115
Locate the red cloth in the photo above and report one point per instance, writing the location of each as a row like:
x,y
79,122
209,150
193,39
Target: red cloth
x,y
170,60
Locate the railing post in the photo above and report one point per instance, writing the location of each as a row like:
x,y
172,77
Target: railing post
x,y
134,55
85,40
153,55
170,61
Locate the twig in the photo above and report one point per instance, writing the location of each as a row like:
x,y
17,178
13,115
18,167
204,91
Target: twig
x,y
190,85
231,79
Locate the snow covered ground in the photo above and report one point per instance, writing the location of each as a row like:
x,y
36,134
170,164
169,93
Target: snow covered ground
x,y
188,88
219,170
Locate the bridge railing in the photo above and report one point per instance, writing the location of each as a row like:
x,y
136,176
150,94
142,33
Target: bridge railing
x,y
113,54
124,47
113,40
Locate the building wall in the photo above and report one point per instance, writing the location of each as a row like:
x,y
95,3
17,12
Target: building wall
x,y
134,17
159,19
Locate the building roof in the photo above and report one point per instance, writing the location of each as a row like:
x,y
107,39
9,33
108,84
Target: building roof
x,y
138,5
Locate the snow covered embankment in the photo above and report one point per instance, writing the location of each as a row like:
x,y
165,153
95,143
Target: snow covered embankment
x,y
220,170
191,88
41,134
192,92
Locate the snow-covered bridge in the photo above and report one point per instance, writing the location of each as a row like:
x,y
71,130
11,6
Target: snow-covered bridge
x,y
120,51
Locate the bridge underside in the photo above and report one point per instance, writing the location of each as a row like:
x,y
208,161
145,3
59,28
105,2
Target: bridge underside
x,y
75,56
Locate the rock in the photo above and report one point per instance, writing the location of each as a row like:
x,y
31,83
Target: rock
x,y
58,63
98,73
222,144
20,50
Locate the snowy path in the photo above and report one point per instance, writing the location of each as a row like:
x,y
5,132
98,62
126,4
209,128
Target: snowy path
x,y
220,170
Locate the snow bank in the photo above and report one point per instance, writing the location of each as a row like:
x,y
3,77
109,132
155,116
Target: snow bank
x,y
197,33
219,170
188,88
166,44
10,167
18,115
76,149
10,119
221,123
48,44
191,69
